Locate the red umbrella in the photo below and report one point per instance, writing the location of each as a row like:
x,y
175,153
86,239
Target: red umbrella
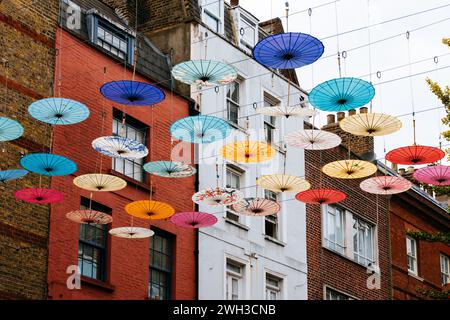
x,y
193,219
415,154
39,195
320,196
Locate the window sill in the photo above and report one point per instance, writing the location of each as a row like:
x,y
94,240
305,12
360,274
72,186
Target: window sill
x,y
346,257
98,284
415,276
273,240
237,224
131,181
236,126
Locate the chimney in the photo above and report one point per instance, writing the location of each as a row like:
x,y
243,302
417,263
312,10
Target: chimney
x,y
331,119
351,112
122,8
402,171
340,116
234,3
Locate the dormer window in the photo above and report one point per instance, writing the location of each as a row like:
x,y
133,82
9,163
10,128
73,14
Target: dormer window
x,y
247,31
212,13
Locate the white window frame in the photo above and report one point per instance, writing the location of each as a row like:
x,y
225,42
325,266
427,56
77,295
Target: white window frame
x,y
277,290
218,18
326,288
276,217
244,280
270,121
330,243
245,20
237,104
444,262
412,255
363,258
240,173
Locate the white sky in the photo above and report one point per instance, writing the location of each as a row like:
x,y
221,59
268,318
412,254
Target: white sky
x,y
395,96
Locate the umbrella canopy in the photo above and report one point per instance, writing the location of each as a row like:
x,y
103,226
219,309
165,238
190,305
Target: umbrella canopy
x,y
349,169
320,196
89,217
131,232
341,94
283,183
170,169
39,195
193,219
438,175
200,129
248,151
370,124
58,111
285,111
120,147
48,164
414,155
150,210
256,207
99,182
288,50
10,129
385,185
8,175
204,72
217,196
132,93
312,139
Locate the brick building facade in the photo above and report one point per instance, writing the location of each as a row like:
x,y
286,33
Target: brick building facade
x,y
27,69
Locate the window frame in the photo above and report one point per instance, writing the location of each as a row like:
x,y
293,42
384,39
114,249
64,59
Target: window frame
x,y
229,214
270,122
212,15
270,218
170,238
231,275
327,289
414,258
245,19
278,290
326,241
236,104
445,274
356,255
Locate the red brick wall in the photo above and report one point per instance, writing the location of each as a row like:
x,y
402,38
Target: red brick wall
x,y
82,70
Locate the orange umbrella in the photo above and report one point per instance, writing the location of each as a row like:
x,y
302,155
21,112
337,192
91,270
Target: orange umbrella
x,y
149,209
248,151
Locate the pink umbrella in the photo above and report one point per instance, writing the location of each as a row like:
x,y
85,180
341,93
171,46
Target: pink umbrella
x,y
435,175
193,219
385,185
39,195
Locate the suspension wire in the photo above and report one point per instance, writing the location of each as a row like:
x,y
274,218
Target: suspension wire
x,y
337,40
407,34
370,51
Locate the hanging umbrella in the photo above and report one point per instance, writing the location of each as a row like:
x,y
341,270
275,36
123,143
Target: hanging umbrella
x,y
288,50
204,72
99,182
217,196
131,232
257,207
385,185
312,139
200,129
283,183
349,169
120,147
320,196
8,175
414,155
39,195
89,217
285,111
193,219
58,111
370,124
150,210
48,164
10,129
248,151
341,94
169,169
132,93
438,175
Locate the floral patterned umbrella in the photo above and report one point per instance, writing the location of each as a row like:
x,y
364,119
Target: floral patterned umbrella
x,y
169,169
217,196
120,147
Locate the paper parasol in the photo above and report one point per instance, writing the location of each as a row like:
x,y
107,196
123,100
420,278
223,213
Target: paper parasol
x,y
349,169
150,210
414,155
39,195
169,169
385,185
257,207
284,111
131,232
283,183
8,175
120,147
370,124
248,151
193,219
312,139
320,196
99,182
10,129
48,164
438,175
89,217
200,129
288,50
132,93
341,94
204,72
217,196
58,111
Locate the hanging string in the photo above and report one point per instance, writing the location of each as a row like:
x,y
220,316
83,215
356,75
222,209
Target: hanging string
x,y
337,39
103,121
370,49
312,71
135,53
217,172
411,87
206,45
381,108
287,16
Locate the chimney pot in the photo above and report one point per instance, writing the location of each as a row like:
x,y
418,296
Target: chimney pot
x,y
394,167
234,3
363,110
351,112
330,119
340,116
401,171
411,169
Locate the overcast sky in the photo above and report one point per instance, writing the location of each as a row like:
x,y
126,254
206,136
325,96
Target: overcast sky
x,y
395,96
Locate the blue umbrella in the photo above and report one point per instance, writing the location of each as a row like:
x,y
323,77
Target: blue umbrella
x,y
48,164
341,94
132,93
200,129
8,175
58,111
10,129
204,72
288,50
169,169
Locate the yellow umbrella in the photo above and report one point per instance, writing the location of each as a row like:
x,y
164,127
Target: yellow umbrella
x,y
150,210
248,151
349,169
370,124
283,183
99,182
